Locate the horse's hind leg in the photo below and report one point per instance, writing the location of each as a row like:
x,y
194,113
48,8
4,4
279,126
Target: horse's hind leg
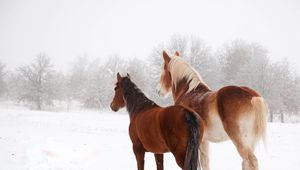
x,y
180,157
204,155
139,152
159,158
249,159
242,138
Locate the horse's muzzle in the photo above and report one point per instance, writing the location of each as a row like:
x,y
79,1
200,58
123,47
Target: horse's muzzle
x,y
113,108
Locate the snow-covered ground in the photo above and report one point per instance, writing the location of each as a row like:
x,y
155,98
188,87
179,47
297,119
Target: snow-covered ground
x,y
32,140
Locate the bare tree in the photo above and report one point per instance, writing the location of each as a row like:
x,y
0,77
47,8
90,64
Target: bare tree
x,y
92,84
92,91
178,43
36,82
284,97
234,56
77,79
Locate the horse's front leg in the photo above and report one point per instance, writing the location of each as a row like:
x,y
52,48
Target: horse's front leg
x,y
139,152
159,158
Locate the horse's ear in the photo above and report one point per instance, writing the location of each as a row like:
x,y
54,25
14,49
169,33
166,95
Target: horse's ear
x,y
119,78
177,54
166,56
128,76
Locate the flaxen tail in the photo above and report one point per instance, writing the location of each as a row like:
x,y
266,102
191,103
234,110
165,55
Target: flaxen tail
x,y
261,114
191,156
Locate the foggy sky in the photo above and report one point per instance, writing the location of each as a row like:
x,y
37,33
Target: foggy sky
x,y
65,29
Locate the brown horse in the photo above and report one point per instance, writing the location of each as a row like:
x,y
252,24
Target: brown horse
x,y
158,130
232,112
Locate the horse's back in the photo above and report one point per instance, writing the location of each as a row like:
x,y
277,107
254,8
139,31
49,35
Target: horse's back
x,y
237,91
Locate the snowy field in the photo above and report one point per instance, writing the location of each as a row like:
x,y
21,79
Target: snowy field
x,y
32,140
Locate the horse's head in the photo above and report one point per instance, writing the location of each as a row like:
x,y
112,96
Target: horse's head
x,y
118,100
165,83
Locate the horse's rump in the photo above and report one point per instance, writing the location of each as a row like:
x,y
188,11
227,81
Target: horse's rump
x,y
233,99
244,105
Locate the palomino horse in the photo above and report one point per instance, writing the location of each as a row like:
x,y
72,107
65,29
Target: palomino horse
x,y
232,112
158,130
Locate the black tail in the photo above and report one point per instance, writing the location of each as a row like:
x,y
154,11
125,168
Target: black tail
x,y
191,156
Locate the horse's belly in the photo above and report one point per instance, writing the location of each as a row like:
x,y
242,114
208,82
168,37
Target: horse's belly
x,y
150,136
155,145
214,130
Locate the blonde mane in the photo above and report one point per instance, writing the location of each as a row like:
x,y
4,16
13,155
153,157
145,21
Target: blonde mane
x,y
180,69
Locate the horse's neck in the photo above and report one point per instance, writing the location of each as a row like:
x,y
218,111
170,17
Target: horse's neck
x,y
180,93
136,101
180,89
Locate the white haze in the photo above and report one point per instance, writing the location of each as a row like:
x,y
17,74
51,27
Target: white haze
x,y
65,29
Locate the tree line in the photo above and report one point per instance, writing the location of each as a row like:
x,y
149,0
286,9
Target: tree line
x,y
91,83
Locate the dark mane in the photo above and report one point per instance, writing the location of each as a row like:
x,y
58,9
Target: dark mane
x,y
135,98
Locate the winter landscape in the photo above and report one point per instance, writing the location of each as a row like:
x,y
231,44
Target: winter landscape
x,y
59,60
